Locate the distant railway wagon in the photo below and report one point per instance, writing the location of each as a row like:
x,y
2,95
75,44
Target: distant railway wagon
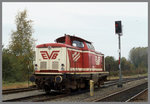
x,y
68,64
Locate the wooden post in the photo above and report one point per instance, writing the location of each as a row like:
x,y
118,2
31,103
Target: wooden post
x,y
91,87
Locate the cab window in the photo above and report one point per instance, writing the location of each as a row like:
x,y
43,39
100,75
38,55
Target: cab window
x,y
90,46
76,43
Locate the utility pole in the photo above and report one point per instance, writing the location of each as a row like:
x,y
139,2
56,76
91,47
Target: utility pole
x,y
118,28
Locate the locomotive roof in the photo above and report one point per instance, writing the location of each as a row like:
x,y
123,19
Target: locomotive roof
x,y
62,39
72,38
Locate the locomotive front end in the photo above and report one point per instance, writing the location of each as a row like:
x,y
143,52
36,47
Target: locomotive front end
x,y
50,61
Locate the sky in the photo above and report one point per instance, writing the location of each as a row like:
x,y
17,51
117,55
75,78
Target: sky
x,y
92,21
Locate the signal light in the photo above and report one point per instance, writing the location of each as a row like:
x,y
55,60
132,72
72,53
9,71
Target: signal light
x,y
118,27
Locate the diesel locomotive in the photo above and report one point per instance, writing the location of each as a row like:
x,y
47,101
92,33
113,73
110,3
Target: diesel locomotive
x,y
68,64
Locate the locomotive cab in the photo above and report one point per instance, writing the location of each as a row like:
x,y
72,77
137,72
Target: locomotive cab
x,y
68,64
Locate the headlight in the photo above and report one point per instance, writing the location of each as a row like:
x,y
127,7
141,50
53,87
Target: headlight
x,y
58,79
35,67
62,66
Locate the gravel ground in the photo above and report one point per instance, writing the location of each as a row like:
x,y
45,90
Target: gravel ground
x,y
99,93
21,94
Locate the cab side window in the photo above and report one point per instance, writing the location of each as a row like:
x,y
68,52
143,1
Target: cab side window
x,y
90,46
76,43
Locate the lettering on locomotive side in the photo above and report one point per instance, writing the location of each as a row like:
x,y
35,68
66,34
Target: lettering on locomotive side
x,y
97,60
53,55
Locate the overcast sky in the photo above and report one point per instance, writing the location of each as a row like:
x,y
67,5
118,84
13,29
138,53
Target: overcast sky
x,y
91,21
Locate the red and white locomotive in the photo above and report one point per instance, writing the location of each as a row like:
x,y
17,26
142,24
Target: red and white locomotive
x,y
68,64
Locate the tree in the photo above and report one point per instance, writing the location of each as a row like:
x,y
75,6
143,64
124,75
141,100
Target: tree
x,y
110,63
6,65
125,64
22,44
139,57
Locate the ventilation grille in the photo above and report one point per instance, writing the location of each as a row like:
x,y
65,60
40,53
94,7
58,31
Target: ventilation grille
x,y
55,65
43,65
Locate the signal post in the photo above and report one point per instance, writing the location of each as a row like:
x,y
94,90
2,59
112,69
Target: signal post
x,y
118,30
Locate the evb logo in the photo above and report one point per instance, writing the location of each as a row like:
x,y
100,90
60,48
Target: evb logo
x,y
53,55
97,60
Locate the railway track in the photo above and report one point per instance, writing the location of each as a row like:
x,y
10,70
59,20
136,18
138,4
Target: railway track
x,y
44,97
24,98
114,82
56,95
37,98
10,91
124,95
137,96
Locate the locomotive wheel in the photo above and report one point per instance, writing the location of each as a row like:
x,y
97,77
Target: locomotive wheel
x,y
66,91
47,89
98,85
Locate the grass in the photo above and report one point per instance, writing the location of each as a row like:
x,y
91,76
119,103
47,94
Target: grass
x,y
126,76
8,85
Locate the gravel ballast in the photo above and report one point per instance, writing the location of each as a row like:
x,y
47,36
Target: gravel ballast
x,y
102,92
